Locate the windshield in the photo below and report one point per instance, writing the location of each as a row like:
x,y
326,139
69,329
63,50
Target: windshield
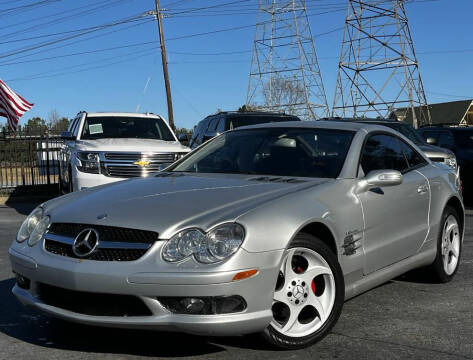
x,y
239,121
120,127
464,138
407,131
273,151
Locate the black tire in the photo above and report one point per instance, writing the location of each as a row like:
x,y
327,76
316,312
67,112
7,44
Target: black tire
x,y
436,270
279,340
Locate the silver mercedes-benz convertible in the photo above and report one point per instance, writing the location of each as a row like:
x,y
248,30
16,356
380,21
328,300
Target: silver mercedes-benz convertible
x,y
268,229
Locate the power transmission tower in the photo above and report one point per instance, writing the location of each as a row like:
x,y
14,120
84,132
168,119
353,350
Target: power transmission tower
x,y
378,70
285,74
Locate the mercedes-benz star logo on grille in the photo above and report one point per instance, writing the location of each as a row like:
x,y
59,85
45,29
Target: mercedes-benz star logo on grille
x,y
85,243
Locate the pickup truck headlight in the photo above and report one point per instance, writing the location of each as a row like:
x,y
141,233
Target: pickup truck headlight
x,y
88,162
452,162
34,227
216,245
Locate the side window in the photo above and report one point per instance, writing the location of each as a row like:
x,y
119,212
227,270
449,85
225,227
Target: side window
x,y
212,124
76,125
71,125
221,124
446,140
383,152
196,133
413,157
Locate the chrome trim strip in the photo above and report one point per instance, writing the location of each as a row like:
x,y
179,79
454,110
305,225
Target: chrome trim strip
x,y
102,244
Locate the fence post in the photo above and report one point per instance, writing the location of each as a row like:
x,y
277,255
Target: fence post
x,y
47,158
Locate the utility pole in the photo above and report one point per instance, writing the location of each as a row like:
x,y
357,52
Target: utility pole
x,y
164,61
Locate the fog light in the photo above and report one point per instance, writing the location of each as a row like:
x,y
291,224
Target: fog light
x,y
204,305
22,281
192,305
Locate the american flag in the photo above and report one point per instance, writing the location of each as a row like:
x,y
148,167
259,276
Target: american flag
x,y
12,105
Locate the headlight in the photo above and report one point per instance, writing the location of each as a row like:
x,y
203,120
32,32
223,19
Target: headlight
x,y
218,244
88,162
39,231
178,156
29,224
452,162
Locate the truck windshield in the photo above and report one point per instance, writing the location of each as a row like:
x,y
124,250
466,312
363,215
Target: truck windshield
x,y
121,127
300,152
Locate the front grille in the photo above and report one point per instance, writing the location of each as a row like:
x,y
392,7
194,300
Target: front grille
x,y
106,233
159,158
58,248
94,304
124,171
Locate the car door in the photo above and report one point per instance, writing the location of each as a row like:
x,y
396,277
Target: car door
x,y
396,217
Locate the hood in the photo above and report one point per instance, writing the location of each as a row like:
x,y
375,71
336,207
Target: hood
x,y
435,151
167,204
131,145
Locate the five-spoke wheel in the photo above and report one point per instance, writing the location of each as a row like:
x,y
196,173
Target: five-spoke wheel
x,y
448,246
308,295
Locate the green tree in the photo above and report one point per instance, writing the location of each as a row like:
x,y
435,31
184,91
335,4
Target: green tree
x,y
36,122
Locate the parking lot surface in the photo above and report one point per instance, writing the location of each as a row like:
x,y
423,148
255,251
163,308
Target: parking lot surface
x,y
407,318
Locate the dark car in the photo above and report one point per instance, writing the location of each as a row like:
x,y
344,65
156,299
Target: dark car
x,y
434,153
216,124
459,140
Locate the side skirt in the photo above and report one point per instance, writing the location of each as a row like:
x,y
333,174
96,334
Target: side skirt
x,y
383,275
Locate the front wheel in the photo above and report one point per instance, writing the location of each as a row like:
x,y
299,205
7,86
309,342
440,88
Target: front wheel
x,y
308,296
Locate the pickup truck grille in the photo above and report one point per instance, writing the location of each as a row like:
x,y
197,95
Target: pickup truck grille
x,y
155,158
124,171
129,164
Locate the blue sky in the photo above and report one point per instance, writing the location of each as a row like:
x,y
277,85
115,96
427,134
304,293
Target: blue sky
x,y
124,79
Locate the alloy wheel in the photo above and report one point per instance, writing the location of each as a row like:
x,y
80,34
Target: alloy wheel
x,y
304,294
450,244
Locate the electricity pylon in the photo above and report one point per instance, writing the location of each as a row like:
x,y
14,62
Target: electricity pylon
x,y
285,74
378,71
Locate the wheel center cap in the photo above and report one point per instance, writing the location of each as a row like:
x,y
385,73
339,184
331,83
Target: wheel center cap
x,y
297,291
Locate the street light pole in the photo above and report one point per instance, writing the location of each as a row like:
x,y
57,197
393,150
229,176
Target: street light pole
x,y
164,61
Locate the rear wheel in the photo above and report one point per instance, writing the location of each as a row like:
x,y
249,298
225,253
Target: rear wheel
x,y
308,296
448,247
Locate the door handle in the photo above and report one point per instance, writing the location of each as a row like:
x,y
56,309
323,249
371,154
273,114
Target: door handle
x,y
422,189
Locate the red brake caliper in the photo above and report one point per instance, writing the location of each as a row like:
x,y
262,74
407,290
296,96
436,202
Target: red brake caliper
x,y
313,286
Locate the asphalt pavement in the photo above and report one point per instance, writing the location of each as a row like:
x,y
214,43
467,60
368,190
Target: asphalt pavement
x,y
407,318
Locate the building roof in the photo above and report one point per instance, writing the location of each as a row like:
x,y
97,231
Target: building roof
x,y
452,112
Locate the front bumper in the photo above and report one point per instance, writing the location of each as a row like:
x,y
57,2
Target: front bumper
x,y
82,180
145,279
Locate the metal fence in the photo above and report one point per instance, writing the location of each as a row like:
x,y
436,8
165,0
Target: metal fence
x,y
29,158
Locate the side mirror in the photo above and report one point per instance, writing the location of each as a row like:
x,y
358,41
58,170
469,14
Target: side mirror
x,y
431,141
183,139
380,178
67,135
209,135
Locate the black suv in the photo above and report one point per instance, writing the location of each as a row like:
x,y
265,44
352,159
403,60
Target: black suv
x,y
434,153
216,124
460,140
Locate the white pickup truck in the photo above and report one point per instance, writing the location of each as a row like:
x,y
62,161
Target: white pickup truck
x,y
101,148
